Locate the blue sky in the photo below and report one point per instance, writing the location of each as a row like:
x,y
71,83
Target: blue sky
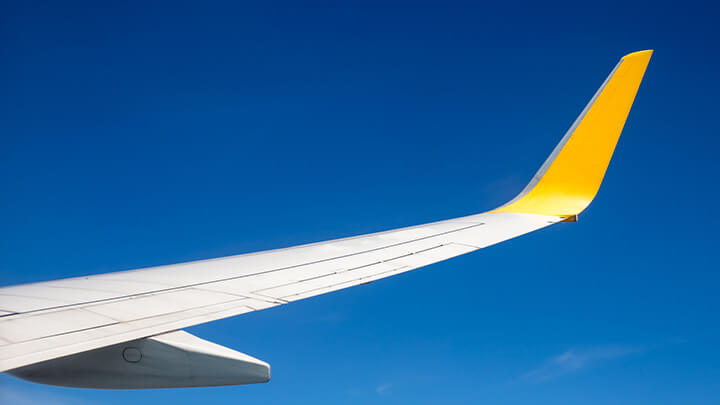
x,y
136,135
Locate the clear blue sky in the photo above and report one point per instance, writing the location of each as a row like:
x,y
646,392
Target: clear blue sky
x,y
137,135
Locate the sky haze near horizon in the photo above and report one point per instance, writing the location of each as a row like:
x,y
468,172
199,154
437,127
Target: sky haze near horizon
x,y
141,134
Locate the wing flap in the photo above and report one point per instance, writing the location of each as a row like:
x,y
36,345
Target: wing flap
x,y
432,255
154,305
286,292
21,329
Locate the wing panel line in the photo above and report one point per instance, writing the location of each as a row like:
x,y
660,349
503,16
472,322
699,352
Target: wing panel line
x,y
164,290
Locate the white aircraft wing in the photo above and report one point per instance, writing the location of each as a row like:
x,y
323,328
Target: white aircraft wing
x,y
67,331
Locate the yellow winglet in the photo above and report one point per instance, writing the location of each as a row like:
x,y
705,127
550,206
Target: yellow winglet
x,y
569,179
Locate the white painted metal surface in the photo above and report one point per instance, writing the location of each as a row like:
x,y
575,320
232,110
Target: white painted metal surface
x,y
47,320
175,359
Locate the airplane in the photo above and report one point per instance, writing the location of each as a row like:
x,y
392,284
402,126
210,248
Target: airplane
x,y
123,330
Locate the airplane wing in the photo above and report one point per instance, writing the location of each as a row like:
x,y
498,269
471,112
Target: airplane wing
x,y
122,330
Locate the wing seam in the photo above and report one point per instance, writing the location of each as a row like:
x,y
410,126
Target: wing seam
x,y
164,290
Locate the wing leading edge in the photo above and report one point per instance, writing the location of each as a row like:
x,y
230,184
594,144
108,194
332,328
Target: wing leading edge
x,y
43,321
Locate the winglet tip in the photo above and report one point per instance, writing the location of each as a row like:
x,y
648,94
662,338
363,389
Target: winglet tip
x,y
638,54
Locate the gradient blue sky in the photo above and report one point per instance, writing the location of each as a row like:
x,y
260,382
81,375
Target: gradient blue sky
x,y
145,134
